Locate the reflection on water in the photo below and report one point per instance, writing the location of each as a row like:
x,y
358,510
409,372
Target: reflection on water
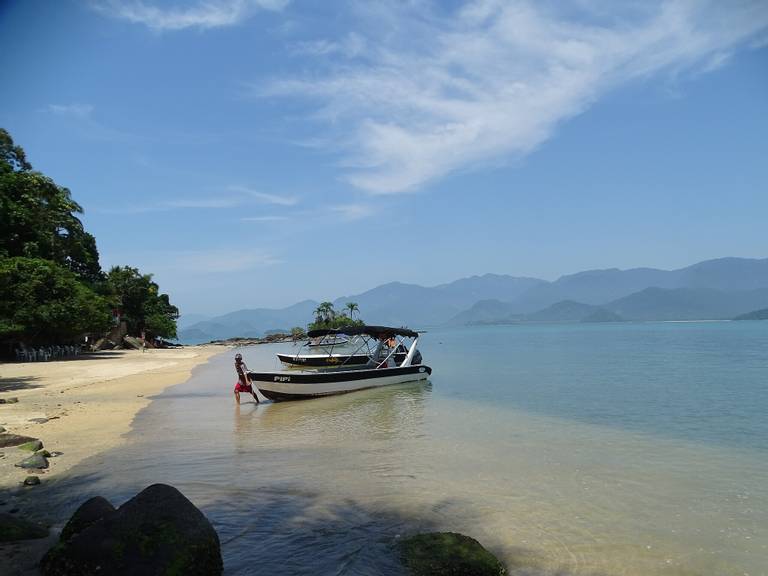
x,y
550,477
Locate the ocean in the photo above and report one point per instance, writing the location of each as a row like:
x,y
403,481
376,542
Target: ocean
x,y
585,449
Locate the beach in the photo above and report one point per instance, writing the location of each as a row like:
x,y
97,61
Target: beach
x,y
79,407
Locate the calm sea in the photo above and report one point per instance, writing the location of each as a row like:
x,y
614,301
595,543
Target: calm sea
x,y
612,449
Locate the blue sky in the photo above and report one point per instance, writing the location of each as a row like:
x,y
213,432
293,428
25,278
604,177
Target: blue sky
x,y
259,152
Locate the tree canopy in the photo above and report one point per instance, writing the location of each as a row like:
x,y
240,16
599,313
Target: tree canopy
x,y
52,284
327,317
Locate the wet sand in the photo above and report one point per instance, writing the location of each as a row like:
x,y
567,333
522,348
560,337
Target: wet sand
x,y
79,407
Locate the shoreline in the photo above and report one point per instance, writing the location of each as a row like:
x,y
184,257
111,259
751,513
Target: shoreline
x,y
80,407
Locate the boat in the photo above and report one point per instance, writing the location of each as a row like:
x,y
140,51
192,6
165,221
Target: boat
x,y
381,368
328,341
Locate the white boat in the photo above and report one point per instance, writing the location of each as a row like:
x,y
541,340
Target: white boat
x,y
328,340
382,369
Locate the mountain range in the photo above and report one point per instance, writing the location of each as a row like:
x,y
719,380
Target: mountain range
x,y
713,289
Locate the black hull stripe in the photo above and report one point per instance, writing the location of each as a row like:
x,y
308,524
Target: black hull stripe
x,y
337,376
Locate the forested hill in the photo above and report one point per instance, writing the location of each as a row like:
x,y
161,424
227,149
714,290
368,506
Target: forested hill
x,y
54,291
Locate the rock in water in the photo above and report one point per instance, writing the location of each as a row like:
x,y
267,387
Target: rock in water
x,y
37,461
13,528
157,532
448,554
89,512
31,481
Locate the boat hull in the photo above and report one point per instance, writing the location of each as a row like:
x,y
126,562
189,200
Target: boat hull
x,y
330,361
280,386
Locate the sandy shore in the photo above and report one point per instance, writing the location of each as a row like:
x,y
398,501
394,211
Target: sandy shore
x,y
78,407
85,406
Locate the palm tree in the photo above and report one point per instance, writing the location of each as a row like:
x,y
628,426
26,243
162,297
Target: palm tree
x,y
352,307
327,310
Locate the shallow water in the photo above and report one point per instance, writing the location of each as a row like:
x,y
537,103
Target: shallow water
x,y
632,449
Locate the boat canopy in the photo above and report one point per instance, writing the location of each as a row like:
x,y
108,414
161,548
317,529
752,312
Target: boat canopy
x,y
378,332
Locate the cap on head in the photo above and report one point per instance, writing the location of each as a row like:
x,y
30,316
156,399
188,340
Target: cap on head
x,y
238,356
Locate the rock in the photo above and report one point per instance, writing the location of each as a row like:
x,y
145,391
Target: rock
x,y
89,512
2,429
7,440
448,554
35,461
31,481
44,453
55,454
31,446
157,532
13,400
38,420
12,529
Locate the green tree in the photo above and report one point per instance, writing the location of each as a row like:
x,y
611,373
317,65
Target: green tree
x,y
352,307
141,304
45,303
39,218
297,333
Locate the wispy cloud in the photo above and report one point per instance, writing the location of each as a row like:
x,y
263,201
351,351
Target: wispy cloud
x,y
265,218
71,110
221,260
216,202
350,46
353,211
207,14
265,197
439,92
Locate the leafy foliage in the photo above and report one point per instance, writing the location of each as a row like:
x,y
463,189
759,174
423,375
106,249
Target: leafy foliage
x,y
44,302
38,217
327,317
52,286
142,305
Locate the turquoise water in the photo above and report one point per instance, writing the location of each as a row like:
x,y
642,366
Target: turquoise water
x,y
626,449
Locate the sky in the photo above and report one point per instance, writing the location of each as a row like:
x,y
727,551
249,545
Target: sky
x,y
255,153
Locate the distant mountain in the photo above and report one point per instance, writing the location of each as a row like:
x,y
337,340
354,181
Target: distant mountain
x,y
601,286
565,311
602,315
754,315
485,312
248,323
714,289
688,304
399,304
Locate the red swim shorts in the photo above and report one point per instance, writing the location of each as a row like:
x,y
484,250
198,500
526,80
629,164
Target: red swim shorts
x,y
240,387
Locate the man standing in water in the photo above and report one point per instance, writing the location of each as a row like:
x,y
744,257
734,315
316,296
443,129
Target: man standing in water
x,y
243,383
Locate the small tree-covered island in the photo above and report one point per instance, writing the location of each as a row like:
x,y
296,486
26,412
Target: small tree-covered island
x,y
54,290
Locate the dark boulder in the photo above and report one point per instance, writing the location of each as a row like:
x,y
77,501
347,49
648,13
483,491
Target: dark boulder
x,y
13,529
157,532
31,446
89,512
36,461
7,440
448,554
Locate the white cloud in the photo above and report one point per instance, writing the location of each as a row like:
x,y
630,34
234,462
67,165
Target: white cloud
x,y
71,110
220,202
264,197
207,14
350,46
264,218
353,211
437,92
219,260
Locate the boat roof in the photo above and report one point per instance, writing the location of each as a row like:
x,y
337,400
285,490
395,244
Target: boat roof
x,y
378,332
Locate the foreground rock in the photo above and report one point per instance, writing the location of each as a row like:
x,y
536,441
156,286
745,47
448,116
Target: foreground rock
x,y
157,532
7,440
448,554
36,462
13,529
31,446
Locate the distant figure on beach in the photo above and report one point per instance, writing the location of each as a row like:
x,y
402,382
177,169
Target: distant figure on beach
x,y
243,383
